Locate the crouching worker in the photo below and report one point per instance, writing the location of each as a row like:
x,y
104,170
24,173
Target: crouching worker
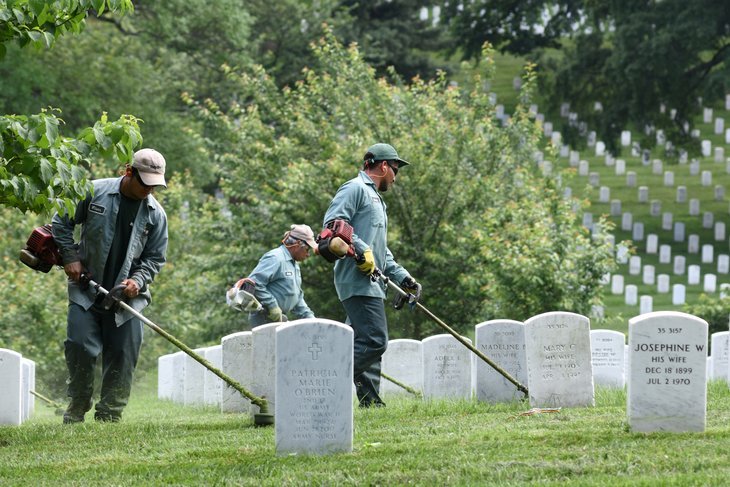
x,y
278,278
123,241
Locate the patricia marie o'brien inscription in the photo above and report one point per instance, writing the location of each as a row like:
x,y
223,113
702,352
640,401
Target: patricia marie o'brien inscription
x,y
667,379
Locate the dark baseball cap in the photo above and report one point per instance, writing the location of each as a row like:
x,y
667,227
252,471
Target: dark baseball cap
x,y
386,152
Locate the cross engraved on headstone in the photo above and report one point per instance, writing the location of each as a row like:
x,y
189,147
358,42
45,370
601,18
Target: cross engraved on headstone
x,y
315,349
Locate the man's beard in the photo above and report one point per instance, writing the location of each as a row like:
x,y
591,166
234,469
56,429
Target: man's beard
x,y
383,186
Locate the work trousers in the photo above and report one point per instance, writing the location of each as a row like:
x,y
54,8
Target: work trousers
x,y
366,316
90,334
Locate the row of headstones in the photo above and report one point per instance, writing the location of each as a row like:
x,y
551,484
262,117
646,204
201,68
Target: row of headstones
x,y
594,178
667,373
679,291
649,277
17,380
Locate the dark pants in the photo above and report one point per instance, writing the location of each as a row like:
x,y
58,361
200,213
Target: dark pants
x,y
366,316
90,334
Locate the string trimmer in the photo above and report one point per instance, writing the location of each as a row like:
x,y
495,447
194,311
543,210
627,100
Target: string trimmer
x,y
41,254
335,242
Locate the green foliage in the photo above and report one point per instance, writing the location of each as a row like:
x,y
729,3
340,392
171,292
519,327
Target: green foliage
x,y
284,153
41,170
41,22
713,309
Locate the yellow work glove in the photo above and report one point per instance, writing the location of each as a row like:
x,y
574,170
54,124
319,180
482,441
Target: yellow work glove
x,y
275,314
366,263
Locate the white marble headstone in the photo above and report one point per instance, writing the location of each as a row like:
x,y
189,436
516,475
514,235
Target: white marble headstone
x,y
559,371
237,360
719,351
403,361
503,342
165,370
194,379
667,381
607,357
178,378
212,384
11,374
314,407
264,364
447,368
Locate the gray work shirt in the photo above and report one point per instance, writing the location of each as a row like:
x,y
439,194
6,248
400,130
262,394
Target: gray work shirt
x,y
279,283
359,203
97,216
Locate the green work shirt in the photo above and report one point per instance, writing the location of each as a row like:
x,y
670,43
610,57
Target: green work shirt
x,y
359,203
279,283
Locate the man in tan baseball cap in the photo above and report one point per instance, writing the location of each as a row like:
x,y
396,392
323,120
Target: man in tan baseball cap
x,y
150,166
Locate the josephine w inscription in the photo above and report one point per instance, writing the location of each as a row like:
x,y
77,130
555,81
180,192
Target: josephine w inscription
x,y
667,381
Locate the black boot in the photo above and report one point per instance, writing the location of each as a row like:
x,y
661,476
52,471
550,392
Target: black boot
x,y
76,410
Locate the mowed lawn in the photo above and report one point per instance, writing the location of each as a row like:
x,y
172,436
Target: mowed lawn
x,y
408,442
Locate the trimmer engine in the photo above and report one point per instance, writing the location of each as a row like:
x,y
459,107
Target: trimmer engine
x,y
335,241
40,252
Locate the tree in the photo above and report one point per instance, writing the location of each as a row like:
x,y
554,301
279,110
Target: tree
x,y
470,200
633,57
41,170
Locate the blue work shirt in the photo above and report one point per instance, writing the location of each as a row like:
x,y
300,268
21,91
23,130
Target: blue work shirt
x,y
279,283
97,216
359,203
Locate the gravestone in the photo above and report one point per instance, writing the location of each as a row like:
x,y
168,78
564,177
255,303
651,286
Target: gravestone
x,y
710,283
631,179
28,372
237,363
446,368
604,194
263,339
655,207
607,358
617,284
194,379
620,167
694,206
583,168
631,295
679,266
622,254
314,410
559,372
719,350
719,155
665,254
693,275
594,179
637,232
634,265
667,381
707,254
648,275
600,148
669,178
719,125
587,219
165,371
708,219
547,168
609,161
646,304
679,231
212,384
11,375
503,341
574,158
627,222
719,192
678,294
657,167
625,138
706,178
719,231
547,129
667,221
723,263
681,194
615,207
693,244
652,242
178,377
662,283
706,146
643,194
694,167
403,360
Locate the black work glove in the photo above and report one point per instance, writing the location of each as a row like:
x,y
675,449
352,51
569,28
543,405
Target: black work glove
x,y
413,288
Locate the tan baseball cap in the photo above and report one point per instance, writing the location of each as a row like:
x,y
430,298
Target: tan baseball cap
x,y
303,233
151,167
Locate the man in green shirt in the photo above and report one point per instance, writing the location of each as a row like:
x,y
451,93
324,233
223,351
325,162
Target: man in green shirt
x,y
359,202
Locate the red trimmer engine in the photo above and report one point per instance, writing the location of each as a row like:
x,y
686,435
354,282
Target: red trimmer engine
x,y
40,252
335,241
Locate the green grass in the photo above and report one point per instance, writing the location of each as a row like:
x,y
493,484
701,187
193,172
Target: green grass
x,y
409,442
